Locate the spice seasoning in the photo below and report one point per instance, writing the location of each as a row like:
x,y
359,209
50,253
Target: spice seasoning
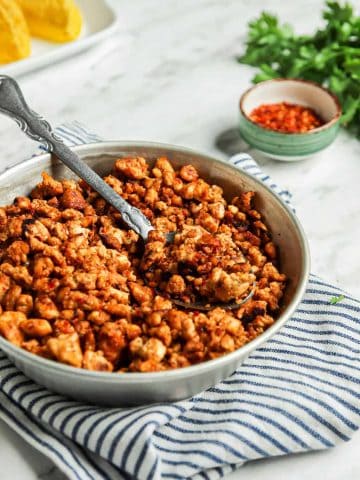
x,y
286,117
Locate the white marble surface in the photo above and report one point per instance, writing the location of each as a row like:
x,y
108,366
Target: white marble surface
x,y
169,75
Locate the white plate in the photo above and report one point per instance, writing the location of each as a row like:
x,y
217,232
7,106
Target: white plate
x,y
99,21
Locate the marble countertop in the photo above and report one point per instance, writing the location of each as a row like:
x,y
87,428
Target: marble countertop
x,y
169,75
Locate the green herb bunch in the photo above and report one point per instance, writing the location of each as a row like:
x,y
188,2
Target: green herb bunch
x,y
330,57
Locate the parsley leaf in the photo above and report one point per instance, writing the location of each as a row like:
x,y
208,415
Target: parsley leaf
x,y
335,300
330,57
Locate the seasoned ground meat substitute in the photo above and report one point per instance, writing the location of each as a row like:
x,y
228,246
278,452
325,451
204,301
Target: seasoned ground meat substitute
x,y
76,285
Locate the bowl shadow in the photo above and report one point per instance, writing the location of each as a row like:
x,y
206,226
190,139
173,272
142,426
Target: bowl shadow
x,y
230,142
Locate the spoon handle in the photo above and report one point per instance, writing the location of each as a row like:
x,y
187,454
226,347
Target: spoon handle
x,y
13,104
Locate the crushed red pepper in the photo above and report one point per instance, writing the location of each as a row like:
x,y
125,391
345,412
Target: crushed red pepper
x,y
286,117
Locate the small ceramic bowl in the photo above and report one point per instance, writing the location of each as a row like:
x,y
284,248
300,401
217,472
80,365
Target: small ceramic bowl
x,y
290,146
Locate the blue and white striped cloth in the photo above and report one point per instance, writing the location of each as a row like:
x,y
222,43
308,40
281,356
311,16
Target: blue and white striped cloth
x,y
299,392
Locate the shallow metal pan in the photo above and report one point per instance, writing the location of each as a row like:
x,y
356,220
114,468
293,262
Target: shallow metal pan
x,y
144,388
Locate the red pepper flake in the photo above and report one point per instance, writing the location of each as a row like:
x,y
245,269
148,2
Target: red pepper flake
x,y
286,117
52,283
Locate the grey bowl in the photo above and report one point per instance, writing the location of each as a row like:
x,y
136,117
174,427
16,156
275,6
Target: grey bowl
x,y
144,388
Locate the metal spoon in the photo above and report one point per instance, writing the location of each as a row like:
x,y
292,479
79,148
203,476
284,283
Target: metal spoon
x,y
13,104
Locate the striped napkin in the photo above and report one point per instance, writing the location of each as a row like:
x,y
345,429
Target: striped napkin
x,y
299,392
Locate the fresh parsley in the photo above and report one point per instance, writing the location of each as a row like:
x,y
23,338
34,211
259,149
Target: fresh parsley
x,y
330,57
335,300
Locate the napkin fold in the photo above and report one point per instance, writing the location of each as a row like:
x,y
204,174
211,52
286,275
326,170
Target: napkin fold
x,y
298,392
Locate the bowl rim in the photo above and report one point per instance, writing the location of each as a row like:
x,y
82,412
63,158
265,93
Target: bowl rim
x,y
89,149
325,126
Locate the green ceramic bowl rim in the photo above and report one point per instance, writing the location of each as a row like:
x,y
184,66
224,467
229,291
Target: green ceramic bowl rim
x,y
275,135
299,80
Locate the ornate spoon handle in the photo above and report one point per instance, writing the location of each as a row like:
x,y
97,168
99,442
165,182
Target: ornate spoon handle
x,y
13,104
